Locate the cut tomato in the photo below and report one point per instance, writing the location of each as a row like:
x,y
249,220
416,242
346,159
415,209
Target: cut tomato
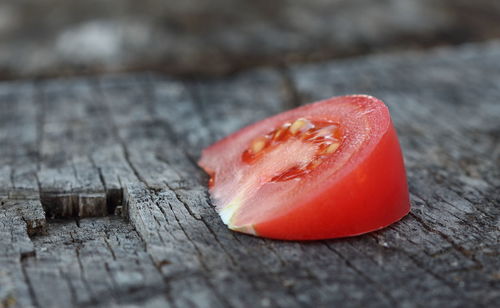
x,y
328,169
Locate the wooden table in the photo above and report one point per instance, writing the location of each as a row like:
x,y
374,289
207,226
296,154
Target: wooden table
x,y
124,148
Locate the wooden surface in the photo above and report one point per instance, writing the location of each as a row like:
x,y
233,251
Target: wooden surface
x,y
193,37
124,148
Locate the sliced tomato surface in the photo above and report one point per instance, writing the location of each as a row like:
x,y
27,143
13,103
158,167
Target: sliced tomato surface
x,y
329,169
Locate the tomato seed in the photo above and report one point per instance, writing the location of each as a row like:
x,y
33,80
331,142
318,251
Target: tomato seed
x,y
314,163
258,144
331,148
300,125
279,134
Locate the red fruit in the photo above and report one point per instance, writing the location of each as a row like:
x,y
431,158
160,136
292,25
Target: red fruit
x,y
328,169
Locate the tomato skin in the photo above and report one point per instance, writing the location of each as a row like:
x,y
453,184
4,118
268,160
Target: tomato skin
x,y
371,197
367,193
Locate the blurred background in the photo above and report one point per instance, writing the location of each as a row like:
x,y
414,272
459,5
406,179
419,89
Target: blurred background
x,y
46,38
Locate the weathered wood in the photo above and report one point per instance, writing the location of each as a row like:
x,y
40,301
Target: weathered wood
x,y
128,144
223,36
95,262
19,146
70,131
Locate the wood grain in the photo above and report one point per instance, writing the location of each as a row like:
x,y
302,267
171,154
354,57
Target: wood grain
x,y
102,203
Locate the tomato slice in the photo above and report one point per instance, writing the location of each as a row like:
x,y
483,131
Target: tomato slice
x,y
329,169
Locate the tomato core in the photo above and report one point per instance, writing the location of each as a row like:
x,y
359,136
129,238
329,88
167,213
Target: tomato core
x,y
324,137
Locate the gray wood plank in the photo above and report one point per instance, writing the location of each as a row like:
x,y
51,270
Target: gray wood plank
x,y
132,141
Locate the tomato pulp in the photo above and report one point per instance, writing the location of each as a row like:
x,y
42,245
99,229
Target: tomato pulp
x,y
329,169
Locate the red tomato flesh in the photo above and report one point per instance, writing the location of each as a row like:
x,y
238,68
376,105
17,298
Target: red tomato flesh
x,y
329,169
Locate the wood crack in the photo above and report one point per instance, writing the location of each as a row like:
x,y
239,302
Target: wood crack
x,y
462,250
200,258
359,272
30,286
81,268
